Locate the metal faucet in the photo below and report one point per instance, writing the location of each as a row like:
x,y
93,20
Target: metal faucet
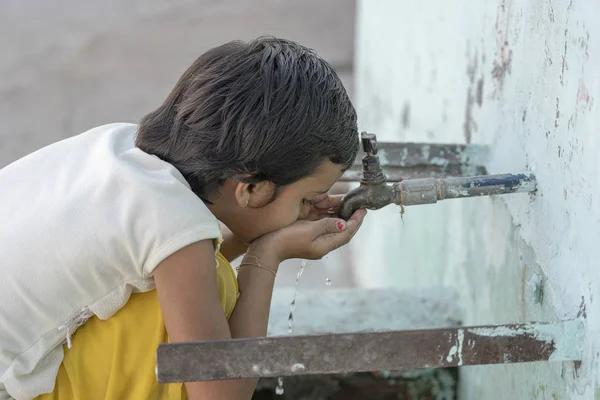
x,y
374,192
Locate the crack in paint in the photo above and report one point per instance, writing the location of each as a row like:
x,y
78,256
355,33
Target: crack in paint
x,y
502,63
557,113
564,61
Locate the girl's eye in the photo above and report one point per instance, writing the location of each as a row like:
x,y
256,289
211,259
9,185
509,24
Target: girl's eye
x,y
306,201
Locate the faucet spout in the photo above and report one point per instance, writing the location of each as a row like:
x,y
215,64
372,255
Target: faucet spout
x,y
368,196
373,193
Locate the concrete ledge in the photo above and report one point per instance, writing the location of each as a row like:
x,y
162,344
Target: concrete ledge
x,y
347,310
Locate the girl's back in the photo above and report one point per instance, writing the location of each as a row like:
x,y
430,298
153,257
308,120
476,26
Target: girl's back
x,y
84,223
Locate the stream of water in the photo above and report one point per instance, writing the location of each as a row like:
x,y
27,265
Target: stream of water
x,y
293,304
279,388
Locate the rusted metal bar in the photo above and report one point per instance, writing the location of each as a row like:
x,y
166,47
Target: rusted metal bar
x,y
371,351
423,160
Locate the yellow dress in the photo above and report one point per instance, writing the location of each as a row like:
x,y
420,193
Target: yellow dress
x,y
116,358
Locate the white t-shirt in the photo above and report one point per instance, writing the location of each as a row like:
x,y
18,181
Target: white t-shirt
x,y
83,224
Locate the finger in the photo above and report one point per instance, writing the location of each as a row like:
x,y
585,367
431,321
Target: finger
x,y
329,225
355,221
315,215
328,202
328,213
331,240
334,201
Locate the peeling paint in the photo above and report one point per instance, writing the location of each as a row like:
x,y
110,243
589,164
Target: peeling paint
x,y
460,339
480,92
502,63
584,100
469,123
564,61
425,151
547,53
536,284
297,367
474,94
502,67
451,353
582,313
442,162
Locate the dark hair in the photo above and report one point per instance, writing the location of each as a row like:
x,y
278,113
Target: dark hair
x,y
270,108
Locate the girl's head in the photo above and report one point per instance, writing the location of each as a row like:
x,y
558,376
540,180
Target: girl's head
x,y
257,129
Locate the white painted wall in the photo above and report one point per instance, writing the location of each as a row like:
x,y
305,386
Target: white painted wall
x,y
524,78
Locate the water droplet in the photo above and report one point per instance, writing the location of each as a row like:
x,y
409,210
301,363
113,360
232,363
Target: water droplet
x,y
279,388
328,281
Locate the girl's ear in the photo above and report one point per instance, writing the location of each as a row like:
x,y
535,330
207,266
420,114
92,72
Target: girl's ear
x,y
242,194
254,195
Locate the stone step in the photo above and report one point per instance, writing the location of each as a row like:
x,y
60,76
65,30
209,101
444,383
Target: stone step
x,y
347,310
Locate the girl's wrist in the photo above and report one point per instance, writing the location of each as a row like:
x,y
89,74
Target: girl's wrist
x,y
263,255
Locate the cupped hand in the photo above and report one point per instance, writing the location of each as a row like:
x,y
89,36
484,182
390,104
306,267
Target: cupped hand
x,y
308,239
323,206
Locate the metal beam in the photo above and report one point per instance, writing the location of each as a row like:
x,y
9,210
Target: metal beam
x,y
371,351
423,160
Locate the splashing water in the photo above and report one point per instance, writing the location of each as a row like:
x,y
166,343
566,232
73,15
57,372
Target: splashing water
x,y
279,388
328,281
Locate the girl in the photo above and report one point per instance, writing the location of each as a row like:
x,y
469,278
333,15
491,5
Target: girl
x,y
111,240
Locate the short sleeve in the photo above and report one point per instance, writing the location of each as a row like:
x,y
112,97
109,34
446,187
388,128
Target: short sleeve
x,y
191,235
159,213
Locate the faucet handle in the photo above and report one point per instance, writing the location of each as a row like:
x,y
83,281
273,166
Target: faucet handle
x,y
369,143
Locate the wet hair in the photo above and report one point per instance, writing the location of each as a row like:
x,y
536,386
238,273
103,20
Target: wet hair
x,y
269,108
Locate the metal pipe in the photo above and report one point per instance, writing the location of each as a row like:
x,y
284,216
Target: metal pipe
x,y
430,190
411,192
